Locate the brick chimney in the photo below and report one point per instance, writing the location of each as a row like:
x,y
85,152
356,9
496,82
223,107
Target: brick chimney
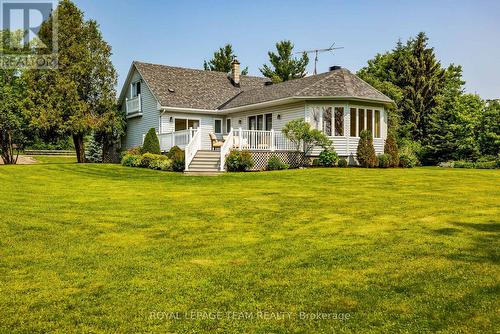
x,y
235,72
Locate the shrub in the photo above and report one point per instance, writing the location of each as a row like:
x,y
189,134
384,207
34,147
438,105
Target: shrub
x,y
136,150
343,163
178,159
239,161
131,160
151,143
408,160
366,152
480,164
275,163
304,137
148,159
315,162
385,161
412,150
164,165
391,149
328,158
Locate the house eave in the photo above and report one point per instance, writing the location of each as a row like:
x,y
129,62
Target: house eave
x,y
273,103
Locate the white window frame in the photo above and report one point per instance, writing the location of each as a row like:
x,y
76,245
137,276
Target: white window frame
x,y
333,106
221,126
225,124
187,122
365,108
134,83
264,122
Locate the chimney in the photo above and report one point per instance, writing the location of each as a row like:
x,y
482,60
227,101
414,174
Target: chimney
x,y
235,72
335,67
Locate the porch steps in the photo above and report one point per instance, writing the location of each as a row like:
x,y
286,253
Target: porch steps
x,y
205,163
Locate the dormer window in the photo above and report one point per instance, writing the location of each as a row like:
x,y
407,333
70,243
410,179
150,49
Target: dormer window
x,y
136,89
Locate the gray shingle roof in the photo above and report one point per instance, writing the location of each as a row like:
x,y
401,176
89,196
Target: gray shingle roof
x,y
200,89
337,83
195,89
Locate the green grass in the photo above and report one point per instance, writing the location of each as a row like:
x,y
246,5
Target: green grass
x,y
97,248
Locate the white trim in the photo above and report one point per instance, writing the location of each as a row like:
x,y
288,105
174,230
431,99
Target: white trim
x,y
221,126
187,122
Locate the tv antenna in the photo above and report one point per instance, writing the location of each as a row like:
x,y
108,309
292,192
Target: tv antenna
x,y
318,51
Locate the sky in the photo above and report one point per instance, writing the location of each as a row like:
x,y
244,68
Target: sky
x,y
184,33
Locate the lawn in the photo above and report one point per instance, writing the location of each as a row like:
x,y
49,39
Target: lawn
x,y
104,248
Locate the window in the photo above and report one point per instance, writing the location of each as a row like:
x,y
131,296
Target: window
x,y
369,121
252,123
361,120
260,122
228,125
327,121
269,122
377,123
136,89
184,124
218,126
353,122
339,121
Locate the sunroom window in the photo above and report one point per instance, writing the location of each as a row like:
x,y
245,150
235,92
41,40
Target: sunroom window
x,y
353,122
369,121
339,121
327,121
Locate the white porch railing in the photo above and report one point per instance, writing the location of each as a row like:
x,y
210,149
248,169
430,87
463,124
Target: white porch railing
x,y
226,147
134,105
258,140
177,138
192,147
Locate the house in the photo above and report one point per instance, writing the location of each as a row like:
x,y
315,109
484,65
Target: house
x,y
195,109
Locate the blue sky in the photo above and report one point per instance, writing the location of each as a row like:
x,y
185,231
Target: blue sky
x,y
184,33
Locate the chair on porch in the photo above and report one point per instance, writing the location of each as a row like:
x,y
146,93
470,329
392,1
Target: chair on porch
x,y
216,143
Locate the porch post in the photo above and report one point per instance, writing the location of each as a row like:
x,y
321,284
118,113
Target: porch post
x,y
190,134
241,137
272,140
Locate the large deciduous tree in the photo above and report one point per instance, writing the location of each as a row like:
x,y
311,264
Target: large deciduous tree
x,y
14,131
79,96
284,66
221,60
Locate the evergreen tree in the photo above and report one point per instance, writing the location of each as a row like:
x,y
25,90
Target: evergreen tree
x,y
93,152
78,97
221,61
391,148
151,143
366,151
284,66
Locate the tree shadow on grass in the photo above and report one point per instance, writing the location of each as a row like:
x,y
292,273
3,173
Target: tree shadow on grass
x,y
484,227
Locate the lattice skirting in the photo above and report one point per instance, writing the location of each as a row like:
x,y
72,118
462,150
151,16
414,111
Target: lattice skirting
x,y
261,158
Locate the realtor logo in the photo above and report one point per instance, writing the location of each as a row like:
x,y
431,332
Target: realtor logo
x,y
20,44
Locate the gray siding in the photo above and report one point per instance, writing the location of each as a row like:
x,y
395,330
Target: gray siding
x,y
138,126
287,113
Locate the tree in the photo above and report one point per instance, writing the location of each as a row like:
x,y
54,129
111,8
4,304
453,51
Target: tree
x,y
78,97
366,151
151,143
391,149
221,61
304,137
14,131
489,130
284,66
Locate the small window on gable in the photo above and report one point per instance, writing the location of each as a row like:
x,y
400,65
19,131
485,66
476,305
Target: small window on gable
x,y
136,89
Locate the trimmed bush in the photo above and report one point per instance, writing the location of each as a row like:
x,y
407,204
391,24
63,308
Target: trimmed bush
x,y
408,160
275,163
366,151
384,161
164,165
178,159
136,150
480,164
239,161
147,159
343,163
151,143
328,158
391,149
131,160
